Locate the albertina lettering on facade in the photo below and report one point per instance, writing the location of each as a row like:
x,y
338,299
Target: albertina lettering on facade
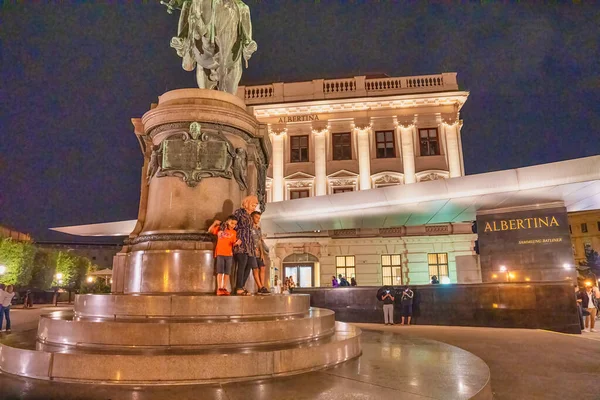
x,y
298,118
521,223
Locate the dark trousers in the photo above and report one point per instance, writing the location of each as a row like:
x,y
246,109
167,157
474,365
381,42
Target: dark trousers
x,y
243,270
5,314
580,312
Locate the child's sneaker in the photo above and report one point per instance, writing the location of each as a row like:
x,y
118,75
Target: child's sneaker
x,y
226,292
221,292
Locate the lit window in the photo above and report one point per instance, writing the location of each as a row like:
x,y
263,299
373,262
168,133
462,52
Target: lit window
x,y
345,266
438,264
342,190
584,228
385,144
299,148
428,139
391,269
342,148
299,194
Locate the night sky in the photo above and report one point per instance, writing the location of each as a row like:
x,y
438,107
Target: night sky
x,y
74,74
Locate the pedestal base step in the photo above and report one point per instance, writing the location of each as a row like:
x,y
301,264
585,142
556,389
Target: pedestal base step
x,y
149,368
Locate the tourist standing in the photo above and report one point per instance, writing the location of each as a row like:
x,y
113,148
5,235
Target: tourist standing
x,y
291,284
244,252
226,239
334,282
588,303
6,300
353,282
259,269
387,296
579,309
343,281
407,305
276,285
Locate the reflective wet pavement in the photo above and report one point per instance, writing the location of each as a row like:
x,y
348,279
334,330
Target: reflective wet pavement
x,y
392,366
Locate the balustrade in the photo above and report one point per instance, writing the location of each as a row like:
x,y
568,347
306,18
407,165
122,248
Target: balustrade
x,y
259,92
339,85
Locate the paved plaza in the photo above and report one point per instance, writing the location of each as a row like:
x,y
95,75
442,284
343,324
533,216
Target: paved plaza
x,y
524,364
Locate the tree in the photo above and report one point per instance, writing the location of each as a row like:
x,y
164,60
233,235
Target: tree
x,y
17,258
70,270
590,268
44,267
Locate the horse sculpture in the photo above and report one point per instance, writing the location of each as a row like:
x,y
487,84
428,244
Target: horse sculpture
x,y
213,36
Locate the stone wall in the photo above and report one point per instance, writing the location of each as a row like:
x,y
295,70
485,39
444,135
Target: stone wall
x,y
368,252
544,305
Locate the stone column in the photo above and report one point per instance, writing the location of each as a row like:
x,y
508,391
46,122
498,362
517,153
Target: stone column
x,y
452,147
408,151
277,139
364,156
320,136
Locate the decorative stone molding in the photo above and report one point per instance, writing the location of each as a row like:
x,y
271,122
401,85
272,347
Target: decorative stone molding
x,y
397,231
278,130
299,180
405,123
195,237
344,233
437,229
320,131
387,178
432,175
341,179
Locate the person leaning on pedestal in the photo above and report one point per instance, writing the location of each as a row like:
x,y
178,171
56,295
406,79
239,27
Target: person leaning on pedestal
x,y
244,252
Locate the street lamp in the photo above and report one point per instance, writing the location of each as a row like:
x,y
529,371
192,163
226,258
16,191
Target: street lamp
x,y
566,266
2,269
90,279
59,276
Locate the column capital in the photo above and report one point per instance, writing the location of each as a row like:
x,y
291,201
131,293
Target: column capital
x,y
362,126
277,130
320,130
405,121
451,119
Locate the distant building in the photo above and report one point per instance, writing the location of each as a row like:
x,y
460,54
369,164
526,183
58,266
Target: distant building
x,y
585,232
99,253
6,232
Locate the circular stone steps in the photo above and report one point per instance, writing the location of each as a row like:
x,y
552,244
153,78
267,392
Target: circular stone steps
x,y
61,328
170,339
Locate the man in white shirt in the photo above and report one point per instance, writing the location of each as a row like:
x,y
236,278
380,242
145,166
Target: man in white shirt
x,y
6,297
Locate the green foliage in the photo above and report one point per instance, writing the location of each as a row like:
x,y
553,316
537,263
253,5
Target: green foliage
x,y
18,258
590,268
97,287
44,265
72,269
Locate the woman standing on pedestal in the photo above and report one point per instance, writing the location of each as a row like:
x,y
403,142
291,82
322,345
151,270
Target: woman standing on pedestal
x,y
244,253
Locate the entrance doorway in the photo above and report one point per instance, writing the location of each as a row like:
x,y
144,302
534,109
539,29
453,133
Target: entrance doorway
x,y
301,267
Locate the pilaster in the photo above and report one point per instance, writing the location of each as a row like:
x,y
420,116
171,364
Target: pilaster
x,y
277,135
363,131
408,149
320,139
452,125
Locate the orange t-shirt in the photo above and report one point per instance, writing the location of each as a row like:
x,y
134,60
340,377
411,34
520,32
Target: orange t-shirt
x,y
225,240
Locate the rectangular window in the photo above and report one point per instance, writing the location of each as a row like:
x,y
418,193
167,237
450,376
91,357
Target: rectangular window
x,y
342,147
342,190
299,148
391,269
345,266
438,264
428,139
384,141
584,228
299,194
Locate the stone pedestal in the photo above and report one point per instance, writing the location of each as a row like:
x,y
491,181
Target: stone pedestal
x,y
204,153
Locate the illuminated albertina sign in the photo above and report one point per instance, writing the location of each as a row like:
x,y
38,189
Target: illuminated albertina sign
x,y
299,118
520,223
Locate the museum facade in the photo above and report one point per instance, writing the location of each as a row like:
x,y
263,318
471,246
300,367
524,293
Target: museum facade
x,y
332,137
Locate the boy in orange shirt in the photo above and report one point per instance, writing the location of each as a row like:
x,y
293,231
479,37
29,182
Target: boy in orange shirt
x,y
226,239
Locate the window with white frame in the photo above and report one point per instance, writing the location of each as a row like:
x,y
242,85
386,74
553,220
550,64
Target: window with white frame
x,y
391,269
345,266
438,264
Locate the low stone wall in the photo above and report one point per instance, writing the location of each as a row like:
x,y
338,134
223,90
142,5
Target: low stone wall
x,y
544,305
